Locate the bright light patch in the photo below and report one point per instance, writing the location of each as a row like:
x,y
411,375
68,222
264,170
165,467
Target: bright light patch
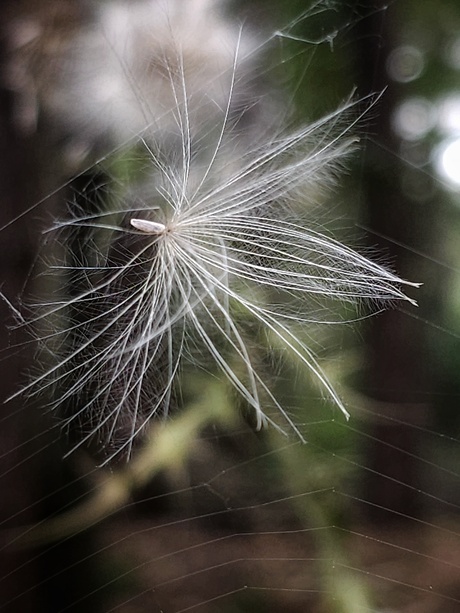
x,y
448,162
413,119
405,63
449,114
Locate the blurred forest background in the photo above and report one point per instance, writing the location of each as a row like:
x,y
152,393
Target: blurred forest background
x,y
215,516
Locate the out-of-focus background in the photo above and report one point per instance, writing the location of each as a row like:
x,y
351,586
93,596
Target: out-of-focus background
x,y
215,516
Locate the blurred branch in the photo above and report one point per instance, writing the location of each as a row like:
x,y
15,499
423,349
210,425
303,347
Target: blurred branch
x,y
168,446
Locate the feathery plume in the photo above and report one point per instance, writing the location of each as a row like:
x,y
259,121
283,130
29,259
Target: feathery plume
x,y
217,240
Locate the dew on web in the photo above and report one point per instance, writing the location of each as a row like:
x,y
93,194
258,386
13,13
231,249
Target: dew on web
x,y
183,433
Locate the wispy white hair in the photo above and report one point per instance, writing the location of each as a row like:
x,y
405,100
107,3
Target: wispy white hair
x,y
218,240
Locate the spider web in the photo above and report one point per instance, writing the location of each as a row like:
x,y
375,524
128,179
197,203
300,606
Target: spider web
x,y
210,515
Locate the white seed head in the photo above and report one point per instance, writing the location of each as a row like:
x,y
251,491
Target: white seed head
x,y
243,260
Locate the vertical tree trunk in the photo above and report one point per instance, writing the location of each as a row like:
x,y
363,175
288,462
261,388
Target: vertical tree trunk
x,y
18,245
397,380
34,480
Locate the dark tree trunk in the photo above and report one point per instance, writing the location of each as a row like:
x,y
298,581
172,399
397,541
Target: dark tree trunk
x,y
18,246
397,380
35,482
